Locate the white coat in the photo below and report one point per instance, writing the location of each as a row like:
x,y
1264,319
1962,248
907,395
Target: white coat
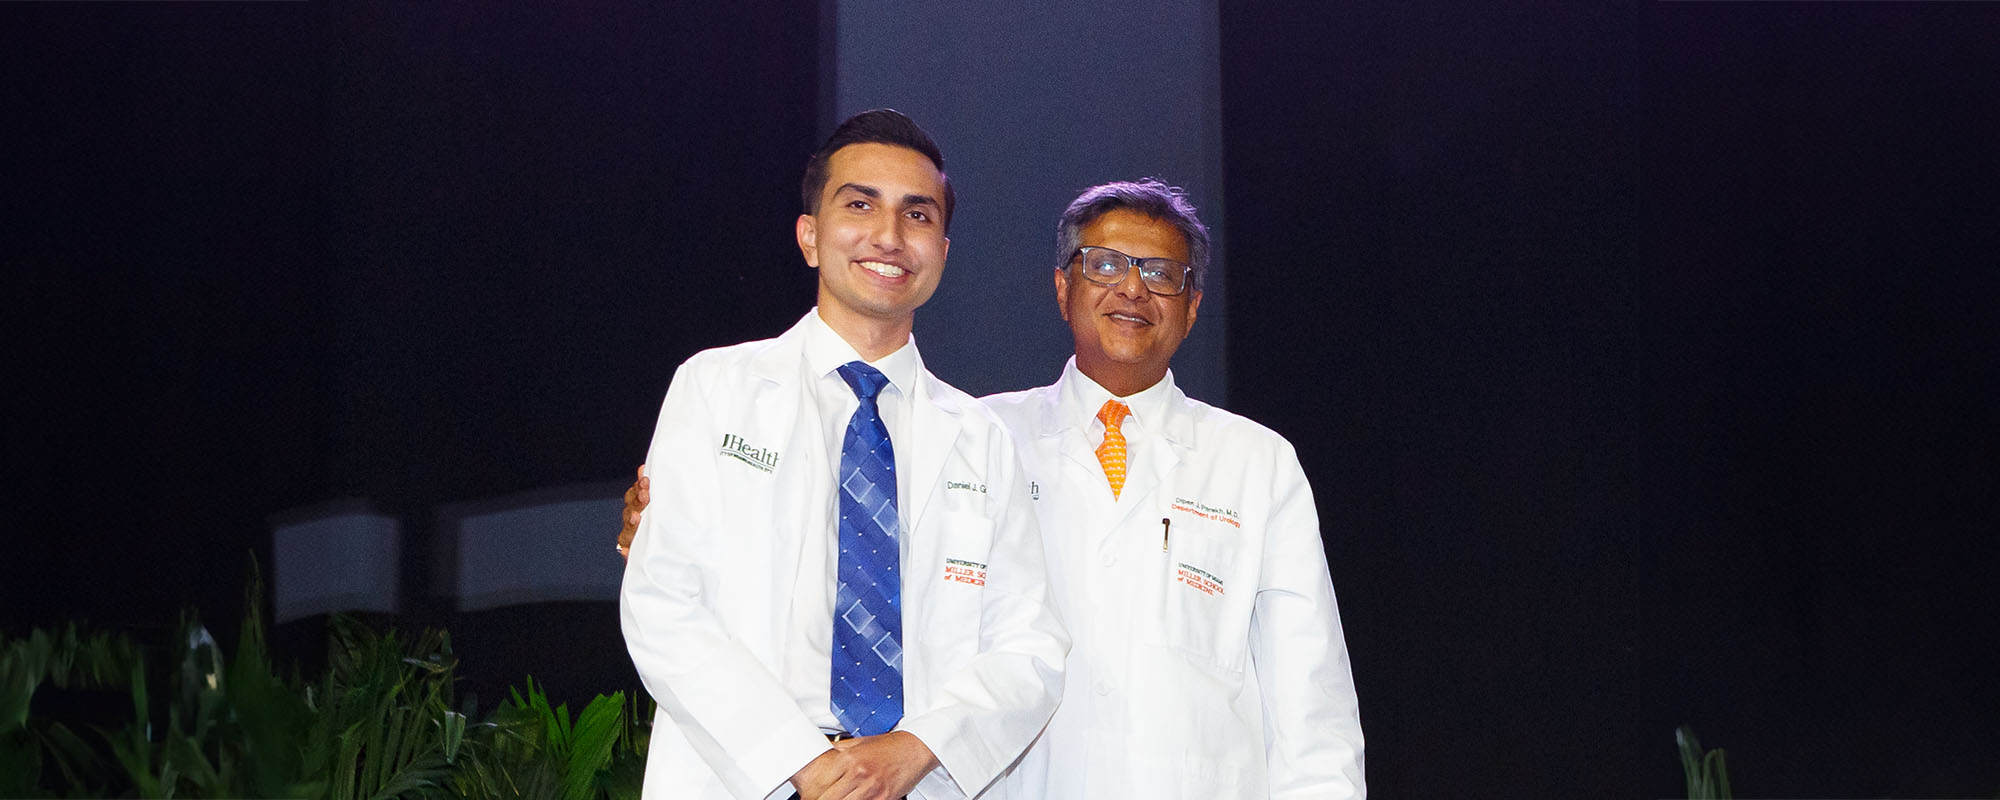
x,y
706,599
1209,660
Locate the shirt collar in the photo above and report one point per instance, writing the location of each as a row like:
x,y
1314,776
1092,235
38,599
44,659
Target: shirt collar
x,y
1082,397
826,352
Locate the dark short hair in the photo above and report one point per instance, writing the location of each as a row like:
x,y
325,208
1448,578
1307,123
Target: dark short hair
x,y
1150,197
879,126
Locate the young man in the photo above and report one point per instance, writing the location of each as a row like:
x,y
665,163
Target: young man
x,y
819,600
1182,543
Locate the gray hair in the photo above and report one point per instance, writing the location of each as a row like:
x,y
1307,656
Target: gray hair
x,y
1150,197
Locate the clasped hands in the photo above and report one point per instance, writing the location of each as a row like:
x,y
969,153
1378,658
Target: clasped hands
x,y
882,767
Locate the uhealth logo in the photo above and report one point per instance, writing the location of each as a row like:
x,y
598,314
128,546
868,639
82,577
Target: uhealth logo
x,y
735,447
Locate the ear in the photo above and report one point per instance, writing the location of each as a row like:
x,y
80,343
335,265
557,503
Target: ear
x,y
1062,293
808,235
1194,305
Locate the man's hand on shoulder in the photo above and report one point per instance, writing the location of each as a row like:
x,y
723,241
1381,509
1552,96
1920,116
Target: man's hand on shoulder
x,y
882,767
636,499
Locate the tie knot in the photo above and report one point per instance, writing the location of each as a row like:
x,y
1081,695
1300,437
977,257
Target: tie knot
x,y
1112,414
866,381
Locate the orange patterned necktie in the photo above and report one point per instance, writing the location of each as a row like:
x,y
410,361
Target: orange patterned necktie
x,y
1111,454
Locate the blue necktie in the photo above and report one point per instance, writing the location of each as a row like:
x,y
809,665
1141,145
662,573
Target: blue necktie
x,y
868,610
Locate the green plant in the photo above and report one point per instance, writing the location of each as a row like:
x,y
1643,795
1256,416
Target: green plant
x,y
35,751
382,714
534,750
224,727
379,723
1707,772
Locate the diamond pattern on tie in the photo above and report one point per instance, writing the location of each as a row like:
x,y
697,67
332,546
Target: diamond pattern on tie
x,y
1111,454
867,695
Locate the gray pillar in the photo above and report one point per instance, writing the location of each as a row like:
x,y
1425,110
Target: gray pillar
x,y
1033,102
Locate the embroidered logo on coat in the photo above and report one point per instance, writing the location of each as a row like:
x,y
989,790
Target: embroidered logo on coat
x,y
1198,579
735,447
958,570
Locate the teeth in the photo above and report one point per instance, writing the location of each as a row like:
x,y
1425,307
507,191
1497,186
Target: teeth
x,y
1128,318
884,270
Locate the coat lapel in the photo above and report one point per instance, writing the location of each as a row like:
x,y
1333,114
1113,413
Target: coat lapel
x,y
1169,441
1157,457
782,408
935,431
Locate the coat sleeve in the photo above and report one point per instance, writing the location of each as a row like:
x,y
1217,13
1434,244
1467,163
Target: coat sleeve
x,y
992,708
734,712
1312,719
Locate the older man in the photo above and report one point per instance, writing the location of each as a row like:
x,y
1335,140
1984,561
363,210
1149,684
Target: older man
x,y
1182,541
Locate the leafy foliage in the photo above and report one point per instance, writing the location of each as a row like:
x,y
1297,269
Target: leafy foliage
x,y
36,751
1707,772
535,750
379,723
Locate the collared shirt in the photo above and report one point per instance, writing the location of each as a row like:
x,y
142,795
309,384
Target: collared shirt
x,y
808,670
1082,398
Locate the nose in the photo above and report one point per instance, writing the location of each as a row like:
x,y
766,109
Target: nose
x,y
1131,286
887,235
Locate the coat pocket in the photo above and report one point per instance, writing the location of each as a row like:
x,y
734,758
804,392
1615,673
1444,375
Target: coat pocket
x,y
1206,597
957,578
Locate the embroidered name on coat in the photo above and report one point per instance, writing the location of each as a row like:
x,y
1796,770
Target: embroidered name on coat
x,y
1226,516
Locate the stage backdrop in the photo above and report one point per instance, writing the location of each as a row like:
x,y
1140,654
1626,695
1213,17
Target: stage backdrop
x,y
1032,107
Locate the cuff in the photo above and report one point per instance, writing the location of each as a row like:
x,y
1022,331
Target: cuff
x,y
773,764
938,784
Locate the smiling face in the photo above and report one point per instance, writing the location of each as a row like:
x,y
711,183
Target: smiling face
x,y
1125,334
877,240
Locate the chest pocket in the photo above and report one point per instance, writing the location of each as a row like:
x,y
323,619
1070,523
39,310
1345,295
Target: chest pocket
x,y
1209,593
957,578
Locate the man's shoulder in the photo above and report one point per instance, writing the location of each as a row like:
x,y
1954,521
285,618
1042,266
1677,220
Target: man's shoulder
x,y
1231,429
1024,397
1020,411
731,357
956,401
1020,401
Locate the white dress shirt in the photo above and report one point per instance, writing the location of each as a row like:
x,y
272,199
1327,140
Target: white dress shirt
x,y
809,664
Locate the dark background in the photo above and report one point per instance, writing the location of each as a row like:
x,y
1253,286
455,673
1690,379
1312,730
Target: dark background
x,y
1641,358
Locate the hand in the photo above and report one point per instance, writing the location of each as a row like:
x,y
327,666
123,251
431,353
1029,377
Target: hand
x,y
817,776
636,500
882,767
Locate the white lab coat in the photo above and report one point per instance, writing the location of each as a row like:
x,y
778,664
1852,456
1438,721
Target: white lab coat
x,y
706,600
1215,668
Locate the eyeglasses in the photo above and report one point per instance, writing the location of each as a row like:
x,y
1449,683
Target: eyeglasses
x,y
1107,267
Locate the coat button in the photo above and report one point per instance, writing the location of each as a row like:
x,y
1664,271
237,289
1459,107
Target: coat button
x,y
1103,687
1108,559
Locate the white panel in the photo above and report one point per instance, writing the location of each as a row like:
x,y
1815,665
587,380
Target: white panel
x,y
539,553
346,560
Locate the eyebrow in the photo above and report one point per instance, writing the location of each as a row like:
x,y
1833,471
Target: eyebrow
x,y
873,193
863,189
